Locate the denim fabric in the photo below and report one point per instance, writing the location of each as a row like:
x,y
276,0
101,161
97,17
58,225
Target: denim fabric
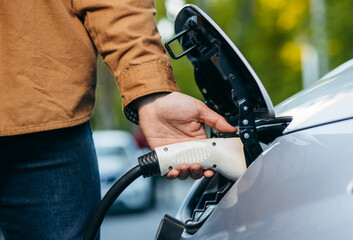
x,y
49,184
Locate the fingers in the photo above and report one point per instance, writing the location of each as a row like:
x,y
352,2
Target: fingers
x,y
208,173
184,171
196,171
213,119
172,174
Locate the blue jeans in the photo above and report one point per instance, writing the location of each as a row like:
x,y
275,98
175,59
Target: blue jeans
x,y
49,184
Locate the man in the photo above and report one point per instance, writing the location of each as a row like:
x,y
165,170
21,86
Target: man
x,y
49,184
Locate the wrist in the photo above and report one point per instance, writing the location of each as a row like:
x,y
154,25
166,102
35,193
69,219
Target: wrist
x,y
148,99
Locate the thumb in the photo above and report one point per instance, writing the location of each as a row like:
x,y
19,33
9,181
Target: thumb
x,y
213,119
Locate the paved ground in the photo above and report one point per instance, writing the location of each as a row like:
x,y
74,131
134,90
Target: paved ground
x,y
143,226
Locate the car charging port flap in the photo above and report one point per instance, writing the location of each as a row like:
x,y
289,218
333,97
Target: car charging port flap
x,y
170,228
217,187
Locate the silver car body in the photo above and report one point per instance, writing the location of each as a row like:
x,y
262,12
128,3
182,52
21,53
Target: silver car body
x,y
301,186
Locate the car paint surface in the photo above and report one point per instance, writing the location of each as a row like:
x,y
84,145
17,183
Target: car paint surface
x,y
301,187
328,100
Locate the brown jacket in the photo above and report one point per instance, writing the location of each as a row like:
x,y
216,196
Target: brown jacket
x,y
48,52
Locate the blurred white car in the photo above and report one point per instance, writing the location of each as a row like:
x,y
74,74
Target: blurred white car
x,y
117,153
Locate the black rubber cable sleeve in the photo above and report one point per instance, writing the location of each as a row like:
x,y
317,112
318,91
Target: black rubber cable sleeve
x,y
108,200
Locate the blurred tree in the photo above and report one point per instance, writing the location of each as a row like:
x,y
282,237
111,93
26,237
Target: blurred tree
x,y
340,31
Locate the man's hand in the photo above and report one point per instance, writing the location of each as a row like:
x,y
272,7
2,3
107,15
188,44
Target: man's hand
x,y
168,118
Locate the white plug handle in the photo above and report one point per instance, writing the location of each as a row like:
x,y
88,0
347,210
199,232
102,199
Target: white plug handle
x,y
224,155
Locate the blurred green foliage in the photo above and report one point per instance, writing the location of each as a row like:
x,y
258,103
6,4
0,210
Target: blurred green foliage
x,y
269,33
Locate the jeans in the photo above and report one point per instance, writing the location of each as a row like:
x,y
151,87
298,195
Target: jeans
x,y
49,184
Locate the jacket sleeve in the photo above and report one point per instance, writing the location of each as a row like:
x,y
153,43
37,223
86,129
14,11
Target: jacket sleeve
x,y
125,34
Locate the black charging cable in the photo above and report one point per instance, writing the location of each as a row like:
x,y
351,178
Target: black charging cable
x,y
148,166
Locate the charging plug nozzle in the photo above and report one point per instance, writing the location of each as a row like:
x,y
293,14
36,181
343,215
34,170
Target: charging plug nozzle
x,y
224,155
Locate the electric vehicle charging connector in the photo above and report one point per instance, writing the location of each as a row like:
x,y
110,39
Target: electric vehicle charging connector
x,y
224,155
